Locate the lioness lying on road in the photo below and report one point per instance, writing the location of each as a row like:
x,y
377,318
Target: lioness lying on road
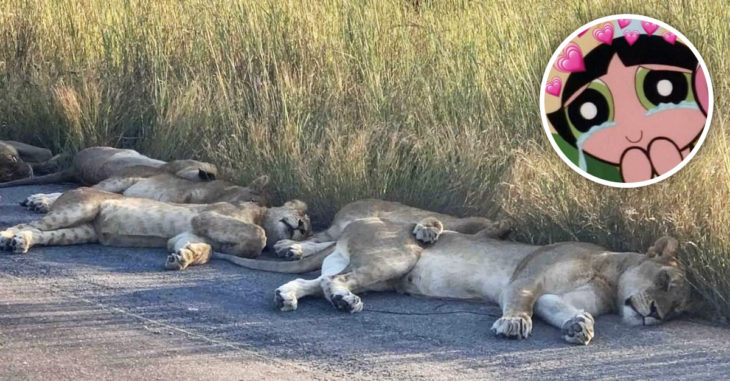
x,y
190,231
168,188
130,173
565,284
96,164
392,211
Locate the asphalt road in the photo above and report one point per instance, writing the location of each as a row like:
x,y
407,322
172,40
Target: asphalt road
x,y
93,312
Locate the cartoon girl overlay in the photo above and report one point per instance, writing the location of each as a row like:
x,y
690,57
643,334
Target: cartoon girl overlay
x,y
633,107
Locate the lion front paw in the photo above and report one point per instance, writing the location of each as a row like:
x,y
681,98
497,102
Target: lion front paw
x,y
288,249
179,260
428,230
579,329
513,327
285,301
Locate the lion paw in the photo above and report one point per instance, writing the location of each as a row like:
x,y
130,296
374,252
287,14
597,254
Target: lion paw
x,y
428,230
179,260
346,301
20,243
39,202
5,237
288,249
513,327
285,301
579,329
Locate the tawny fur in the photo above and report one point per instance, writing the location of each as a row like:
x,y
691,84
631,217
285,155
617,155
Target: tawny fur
x,y
169,188
93,165
19,160
190,231
565,284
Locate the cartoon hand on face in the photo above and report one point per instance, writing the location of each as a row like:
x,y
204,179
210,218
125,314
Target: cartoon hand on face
x,y
664,155
636,165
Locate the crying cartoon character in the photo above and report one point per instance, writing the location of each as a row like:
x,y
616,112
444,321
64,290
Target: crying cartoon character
x,y
638,103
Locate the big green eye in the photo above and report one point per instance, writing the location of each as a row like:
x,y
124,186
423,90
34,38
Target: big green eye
x,y
662,86
593,107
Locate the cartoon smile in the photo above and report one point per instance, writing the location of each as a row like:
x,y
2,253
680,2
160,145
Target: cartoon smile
x,y
641,135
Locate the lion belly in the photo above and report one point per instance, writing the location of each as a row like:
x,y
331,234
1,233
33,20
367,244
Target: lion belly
x,y
463,270
134,222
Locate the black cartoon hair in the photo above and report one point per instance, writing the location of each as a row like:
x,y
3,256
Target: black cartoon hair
x,y
646,50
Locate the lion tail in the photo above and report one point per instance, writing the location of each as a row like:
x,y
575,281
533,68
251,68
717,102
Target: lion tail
x,y
310,263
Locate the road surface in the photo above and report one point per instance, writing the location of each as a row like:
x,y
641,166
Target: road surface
x,y
94,312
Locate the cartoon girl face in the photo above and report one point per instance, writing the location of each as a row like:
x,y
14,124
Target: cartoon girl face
x,y
634,106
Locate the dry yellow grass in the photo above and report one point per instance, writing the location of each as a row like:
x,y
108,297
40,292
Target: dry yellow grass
x,y
434,103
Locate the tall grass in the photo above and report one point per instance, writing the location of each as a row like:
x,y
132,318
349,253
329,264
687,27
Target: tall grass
x,y
433,103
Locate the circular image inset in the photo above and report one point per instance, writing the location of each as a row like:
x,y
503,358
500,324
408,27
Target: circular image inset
x,y
626,101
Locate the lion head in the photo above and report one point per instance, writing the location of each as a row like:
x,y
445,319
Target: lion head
x,y
655,289
12,167
289,221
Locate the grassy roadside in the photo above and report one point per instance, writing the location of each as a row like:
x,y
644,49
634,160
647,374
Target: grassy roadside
x,y
433,103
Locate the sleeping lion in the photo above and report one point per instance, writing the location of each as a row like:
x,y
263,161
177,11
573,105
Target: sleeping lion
x,y
168,187
566,284
95,164
130,173
189,231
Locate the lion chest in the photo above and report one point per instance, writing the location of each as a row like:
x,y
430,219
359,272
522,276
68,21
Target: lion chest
x,y
143,218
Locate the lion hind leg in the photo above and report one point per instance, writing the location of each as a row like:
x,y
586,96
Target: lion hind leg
x,y
233,236
187,249
117,184
77,208
24,239
287,296
370,272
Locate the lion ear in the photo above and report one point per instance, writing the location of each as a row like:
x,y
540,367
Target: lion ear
x,y
664,249
301,206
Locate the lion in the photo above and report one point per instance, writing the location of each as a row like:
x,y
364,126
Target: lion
x,y
168,187
390,210
130,173
566,284
189,231
95,164
19,160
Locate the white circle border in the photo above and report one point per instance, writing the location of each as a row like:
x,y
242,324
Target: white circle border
x,y
546,124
